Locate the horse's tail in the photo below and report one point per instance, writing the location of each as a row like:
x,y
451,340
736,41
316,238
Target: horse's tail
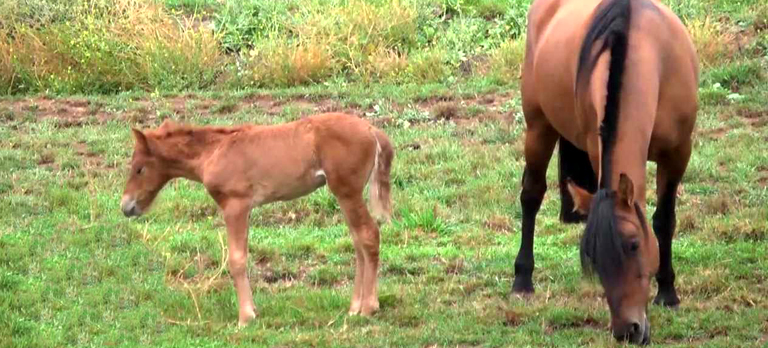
x,y
610,26
379,187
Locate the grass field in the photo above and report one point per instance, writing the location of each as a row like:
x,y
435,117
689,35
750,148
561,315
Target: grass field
x,y
75,272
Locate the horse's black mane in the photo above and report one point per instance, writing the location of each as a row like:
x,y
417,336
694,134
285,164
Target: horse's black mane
x,y
601,245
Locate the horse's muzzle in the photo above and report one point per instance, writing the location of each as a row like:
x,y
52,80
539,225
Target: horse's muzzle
x,y
129,207
635,333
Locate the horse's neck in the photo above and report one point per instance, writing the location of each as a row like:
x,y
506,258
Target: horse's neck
x,y
187,150
630,157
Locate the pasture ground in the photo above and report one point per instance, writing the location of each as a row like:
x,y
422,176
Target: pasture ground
x,y
75,272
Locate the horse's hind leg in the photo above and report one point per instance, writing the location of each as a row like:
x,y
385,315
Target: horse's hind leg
x,y
669,174
540,140
573,164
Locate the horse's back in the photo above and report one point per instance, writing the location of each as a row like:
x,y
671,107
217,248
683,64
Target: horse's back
x,y
661,58
555,31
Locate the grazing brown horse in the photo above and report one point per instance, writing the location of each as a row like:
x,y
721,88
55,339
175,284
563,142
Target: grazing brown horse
x,y
247,166
615,81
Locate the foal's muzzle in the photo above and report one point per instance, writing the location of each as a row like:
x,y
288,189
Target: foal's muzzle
x,y
129,207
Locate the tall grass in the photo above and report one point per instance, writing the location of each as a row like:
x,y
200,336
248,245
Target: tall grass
x,y
105,46
100,46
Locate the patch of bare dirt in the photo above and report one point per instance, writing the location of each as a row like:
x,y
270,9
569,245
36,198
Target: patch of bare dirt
x,y
715,133
74,112
762,176
498,223
455,266
90,158
512,318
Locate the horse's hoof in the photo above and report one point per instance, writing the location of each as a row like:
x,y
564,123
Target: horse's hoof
x,y
522,287
569,217
669,300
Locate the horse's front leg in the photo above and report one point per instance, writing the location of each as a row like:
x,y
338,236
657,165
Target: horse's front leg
x,y
540,140
236,213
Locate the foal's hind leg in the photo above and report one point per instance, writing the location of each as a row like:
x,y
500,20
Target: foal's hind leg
x,y
365,236
347,185
669,174
540,140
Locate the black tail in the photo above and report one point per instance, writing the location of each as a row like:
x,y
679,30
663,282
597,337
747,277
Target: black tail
x,y
573,164
611,25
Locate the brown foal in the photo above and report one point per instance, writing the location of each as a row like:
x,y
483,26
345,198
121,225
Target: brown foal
x,y
246,166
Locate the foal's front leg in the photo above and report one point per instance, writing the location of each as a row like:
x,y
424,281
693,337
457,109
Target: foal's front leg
x,y
236,217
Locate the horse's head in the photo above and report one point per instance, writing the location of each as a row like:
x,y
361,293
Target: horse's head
x,y
619,247
147,177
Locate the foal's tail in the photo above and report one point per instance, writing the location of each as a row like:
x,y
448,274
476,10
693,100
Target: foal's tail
x,y
378,182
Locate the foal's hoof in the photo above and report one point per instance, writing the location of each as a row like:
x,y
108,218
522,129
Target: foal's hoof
x,y
369,309
245,318
667,299
354,308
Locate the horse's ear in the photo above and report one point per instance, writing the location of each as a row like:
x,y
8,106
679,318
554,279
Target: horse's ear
x,y
582,199
142,144
626,190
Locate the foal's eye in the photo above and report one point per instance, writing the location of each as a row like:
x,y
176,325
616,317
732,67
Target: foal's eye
x,y
140,170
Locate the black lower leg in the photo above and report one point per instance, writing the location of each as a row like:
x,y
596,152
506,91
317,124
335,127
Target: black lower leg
x,y
534,187
664,227
573,164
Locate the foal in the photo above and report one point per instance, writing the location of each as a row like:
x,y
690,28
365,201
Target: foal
x,y
246,166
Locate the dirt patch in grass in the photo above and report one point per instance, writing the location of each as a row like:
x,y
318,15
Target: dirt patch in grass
x,y
715,133
762,176
498,223
73,112
90,158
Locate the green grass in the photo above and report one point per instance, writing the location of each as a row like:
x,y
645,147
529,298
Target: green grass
x,y
75,272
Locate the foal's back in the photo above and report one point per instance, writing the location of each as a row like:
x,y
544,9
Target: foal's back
x,y
287,161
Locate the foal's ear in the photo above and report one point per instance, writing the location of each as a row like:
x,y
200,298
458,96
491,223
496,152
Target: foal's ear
x,y
168,124
626,190
582,199
142,144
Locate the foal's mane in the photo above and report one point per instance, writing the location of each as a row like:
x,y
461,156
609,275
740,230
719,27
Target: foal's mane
x,y
601,246
174,141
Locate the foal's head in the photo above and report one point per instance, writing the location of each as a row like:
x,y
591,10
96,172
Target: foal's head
x,y
619,247
149,173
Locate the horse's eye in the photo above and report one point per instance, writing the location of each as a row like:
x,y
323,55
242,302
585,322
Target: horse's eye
x,y
634,245
140,170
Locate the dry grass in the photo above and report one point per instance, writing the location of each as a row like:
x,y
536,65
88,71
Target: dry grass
x,y
360,38
714,41
283,64
384,65
507,60
138,45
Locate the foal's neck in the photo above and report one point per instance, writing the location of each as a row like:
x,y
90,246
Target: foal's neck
x,y
186,148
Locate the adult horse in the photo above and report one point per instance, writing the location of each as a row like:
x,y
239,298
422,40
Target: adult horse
x,y
615,81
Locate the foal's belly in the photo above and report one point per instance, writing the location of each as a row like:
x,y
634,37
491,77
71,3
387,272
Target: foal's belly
x,y
288,187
